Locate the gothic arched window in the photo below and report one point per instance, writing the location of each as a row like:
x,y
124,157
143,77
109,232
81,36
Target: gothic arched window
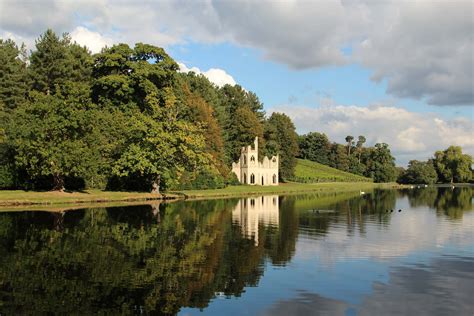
x,y
274,178
252,159
252,178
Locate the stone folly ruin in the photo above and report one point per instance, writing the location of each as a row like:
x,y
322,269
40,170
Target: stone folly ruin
x,y
250,170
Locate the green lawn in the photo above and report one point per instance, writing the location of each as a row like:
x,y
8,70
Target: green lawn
x,y
282,188
19,197
310,172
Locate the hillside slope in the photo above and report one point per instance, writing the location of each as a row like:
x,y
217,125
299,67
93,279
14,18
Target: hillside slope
x,y
308,172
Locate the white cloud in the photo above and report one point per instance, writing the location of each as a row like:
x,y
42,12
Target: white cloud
x,y
93,40
215,75
422,50
339,245
410,135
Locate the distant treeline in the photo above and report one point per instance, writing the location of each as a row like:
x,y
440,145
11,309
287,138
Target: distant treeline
x,y
377,162
127,119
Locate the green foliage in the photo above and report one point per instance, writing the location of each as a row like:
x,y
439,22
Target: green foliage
x,y
359,146
419,172
203,114
315,147
7,176
244,126
350,143
134,78
286,140
157,144
155,150
312,172
201,180
232,179
338,157
453,166
241,119
57,61
13,79
381,164
51,138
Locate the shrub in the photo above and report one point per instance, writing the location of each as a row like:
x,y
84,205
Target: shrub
x,y
7,177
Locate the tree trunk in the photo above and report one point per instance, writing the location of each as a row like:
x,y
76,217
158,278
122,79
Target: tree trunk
x,y
58,182
155,187
59,221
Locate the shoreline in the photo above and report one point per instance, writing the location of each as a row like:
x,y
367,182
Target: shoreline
x,y
17,198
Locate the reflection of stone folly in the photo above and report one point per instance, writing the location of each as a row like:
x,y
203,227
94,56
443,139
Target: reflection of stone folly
x,y
250,170
250,212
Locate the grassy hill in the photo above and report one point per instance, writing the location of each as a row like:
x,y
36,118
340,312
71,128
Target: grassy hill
x,y
309,172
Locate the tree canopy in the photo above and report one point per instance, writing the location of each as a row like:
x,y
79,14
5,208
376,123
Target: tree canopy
x,y
452,165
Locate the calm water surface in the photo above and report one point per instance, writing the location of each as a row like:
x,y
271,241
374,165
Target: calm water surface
x,y
339,254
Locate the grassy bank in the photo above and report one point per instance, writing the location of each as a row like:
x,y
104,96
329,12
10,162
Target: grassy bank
x,y
23,198
19,197
283,188
312,172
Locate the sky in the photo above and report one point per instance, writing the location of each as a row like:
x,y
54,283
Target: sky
x,y
399,72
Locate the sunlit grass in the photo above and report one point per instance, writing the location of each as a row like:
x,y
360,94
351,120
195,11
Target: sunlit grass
x,y
310,172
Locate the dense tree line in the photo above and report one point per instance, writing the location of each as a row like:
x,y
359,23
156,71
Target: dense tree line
x,y
377,162
125,118
374,162
446,166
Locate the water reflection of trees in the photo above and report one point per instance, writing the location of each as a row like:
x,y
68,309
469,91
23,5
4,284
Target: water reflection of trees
x,y
319,213
447,201
151,259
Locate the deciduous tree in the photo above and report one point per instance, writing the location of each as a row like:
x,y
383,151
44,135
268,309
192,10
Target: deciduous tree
x,y
419,172
452,165
287,141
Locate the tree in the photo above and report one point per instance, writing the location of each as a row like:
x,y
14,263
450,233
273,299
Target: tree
x,y
452,165
203,114
139,78
241,116
57,61
234,97
315,147
360,143
349,140
158,149
158,142
380,163
245,126
287,141
338,157
13,79
419,172
50,136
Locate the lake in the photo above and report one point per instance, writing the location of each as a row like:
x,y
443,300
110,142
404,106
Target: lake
x,y
386,252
